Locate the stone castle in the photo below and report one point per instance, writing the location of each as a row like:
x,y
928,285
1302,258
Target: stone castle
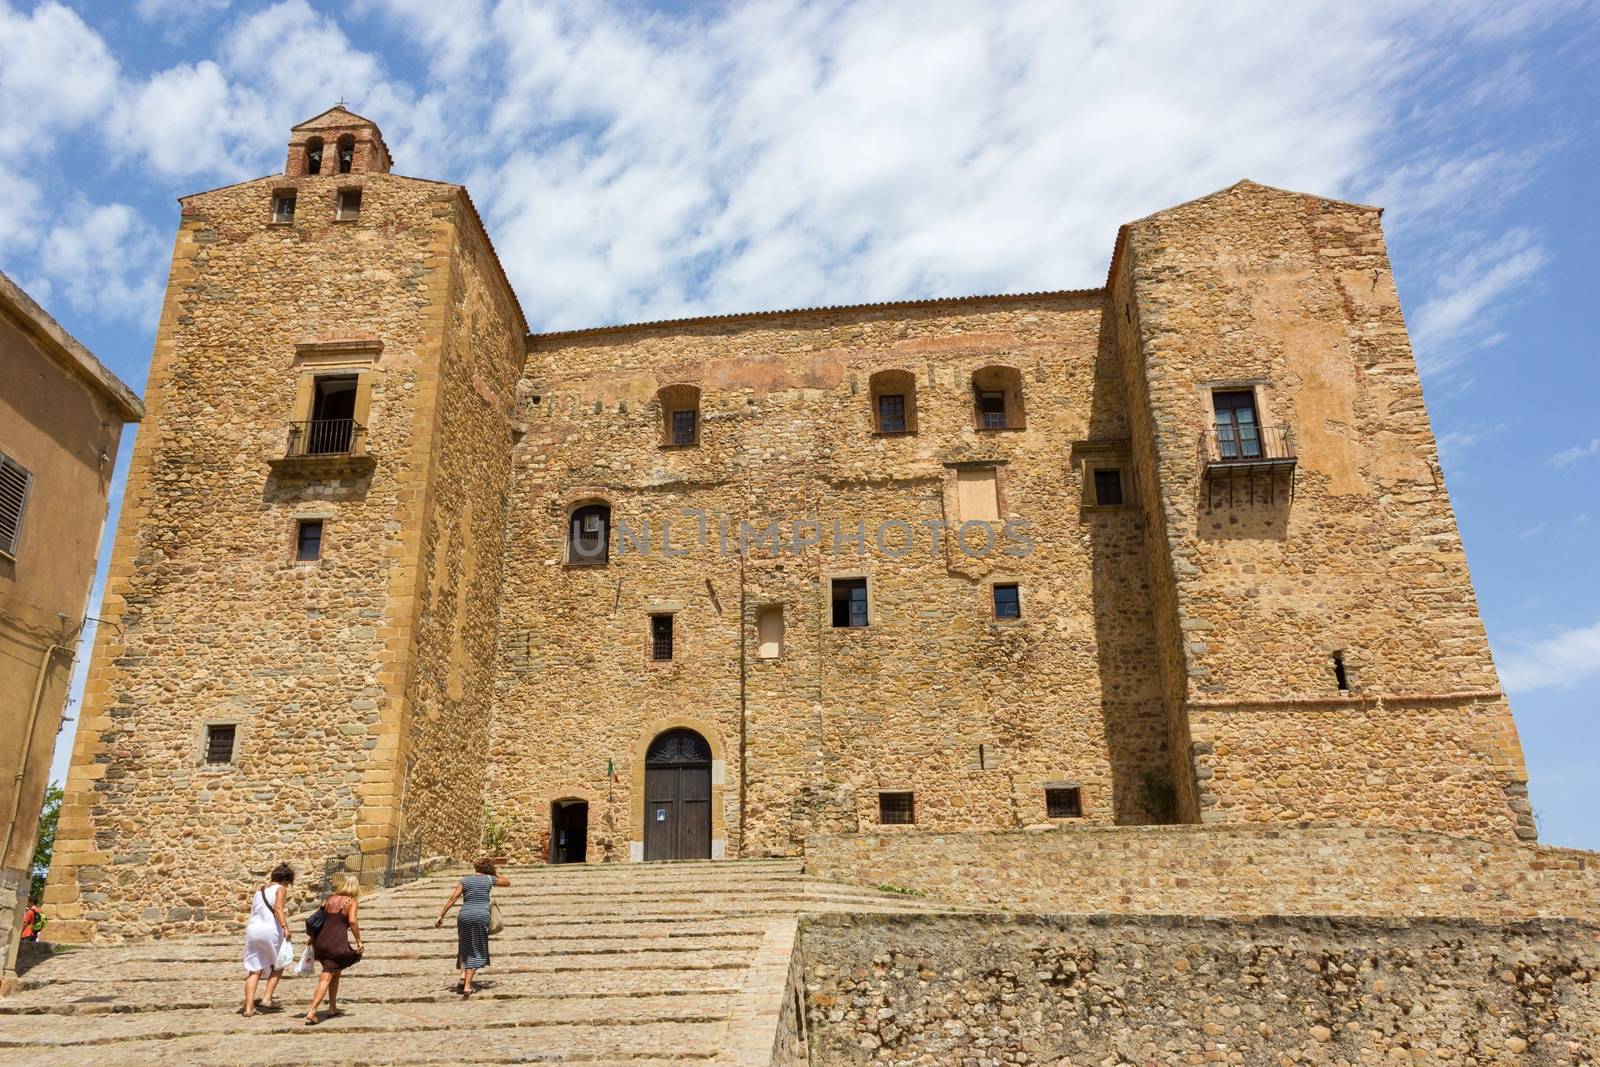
x,y
391,567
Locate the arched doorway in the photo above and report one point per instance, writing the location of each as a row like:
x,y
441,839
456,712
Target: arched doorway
x,y
677,797
569,831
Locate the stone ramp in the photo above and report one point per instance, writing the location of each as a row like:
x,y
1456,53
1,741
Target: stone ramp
x,y
636,964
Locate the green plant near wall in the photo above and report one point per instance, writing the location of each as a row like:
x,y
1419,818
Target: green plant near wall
x,y
45,846
497,831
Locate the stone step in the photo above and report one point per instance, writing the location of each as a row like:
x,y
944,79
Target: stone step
x,y
406,961
350,1042
89,996
46,1031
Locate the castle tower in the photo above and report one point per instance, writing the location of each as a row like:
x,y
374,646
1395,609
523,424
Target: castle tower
x,y
303,590
1323,657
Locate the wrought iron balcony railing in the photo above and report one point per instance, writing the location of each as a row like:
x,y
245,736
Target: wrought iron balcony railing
x,y
326,437
1230,446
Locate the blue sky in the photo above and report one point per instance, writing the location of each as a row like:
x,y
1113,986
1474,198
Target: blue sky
x,y
636,161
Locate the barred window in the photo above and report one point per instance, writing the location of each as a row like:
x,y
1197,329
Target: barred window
x,y
15,482
661,637
1063,802
589,540
897,809
219,742
683,426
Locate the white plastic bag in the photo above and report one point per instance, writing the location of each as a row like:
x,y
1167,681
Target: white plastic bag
x,y
285,957
307,964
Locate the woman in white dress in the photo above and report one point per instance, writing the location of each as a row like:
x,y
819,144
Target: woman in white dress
x,y
264,938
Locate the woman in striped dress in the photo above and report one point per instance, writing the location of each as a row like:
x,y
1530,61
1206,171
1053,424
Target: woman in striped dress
x,y
472,921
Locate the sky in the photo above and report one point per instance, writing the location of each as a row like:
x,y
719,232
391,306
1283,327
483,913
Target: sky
x,y
638,161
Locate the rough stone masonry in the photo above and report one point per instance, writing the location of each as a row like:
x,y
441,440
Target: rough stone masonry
x,y
1175,549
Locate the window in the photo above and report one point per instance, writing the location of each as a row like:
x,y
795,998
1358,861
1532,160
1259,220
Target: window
x,y
992,410
978,494
680,413
314,156
283,207
1108,486
661,637
997,398
349,205
894,402
589,537
15,482
897,809
1007,601
891,413
1340,675
332,427
308,540
219,742
1238,436
347,153
769,632
849,602
1063,802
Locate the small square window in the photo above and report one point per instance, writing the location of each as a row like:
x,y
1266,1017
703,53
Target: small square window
x,y
219,742
1108,486
661,637
1007,602
850,602
308,540
349,205
684,426
1063,802
897,809
283,207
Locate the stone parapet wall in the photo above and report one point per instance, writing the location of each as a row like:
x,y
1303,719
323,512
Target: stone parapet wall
x,y
987,990
1194,870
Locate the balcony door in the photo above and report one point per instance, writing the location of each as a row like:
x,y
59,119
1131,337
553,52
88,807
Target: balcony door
x,y
333,413
1238,433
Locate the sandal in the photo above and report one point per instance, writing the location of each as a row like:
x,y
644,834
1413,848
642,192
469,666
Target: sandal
x,y
312,1020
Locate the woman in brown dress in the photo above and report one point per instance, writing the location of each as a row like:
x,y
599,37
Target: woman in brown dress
x,y
332,946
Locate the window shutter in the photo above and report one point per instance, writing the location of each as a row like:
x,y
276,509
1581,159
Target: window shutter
x,y
14,483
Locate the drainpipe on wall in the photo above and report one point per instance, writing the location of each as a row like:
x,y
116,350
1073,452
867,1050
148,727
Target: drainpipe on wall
x,y
743,641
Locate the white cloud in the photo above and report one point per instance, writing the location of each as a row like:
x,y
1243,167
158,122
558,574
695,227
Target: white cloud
x,y
55,74
1468,297
181,11
1568,456
449,35
181,121
106,259
1556,662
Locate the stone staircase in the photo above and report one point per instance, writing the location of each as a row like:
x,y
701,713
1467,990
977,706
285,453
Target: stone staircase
x,y
639,963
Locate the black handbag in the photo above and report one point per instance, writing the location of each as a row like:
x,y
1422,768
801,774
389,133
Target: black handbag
x,y
314,922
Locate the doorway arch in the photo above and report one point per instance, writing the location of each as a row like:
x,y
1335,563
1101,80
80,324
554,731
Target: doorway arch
x,y
677,796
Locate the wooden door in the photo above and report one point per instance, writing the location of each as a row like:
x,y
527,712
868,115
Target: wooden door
x,y
677,797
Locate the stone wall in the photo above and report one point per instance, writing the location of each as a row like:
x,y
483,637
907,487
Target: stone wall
x,y
991,990
1292,297
1068,693
1214,870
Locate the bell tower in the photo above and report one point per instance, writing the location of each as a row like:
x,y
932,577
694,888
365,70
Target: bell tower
x,y
308,557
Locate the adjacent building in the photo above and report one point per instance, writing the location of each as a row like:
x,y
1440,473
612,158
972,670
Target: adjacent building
x,y
61,417
1172,549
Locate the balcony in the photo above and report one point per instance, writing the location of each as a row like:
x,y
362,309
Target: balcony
x,y
325,447
1231,453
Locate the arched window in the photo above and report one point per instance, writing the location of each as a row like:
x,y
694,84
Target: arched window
x,y
589,536
997,398
678,748
894,401
347,153
314,156
680,415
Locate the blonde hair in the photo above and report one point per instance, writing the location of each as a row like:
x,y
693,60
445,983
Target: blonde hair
x,y
347,885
